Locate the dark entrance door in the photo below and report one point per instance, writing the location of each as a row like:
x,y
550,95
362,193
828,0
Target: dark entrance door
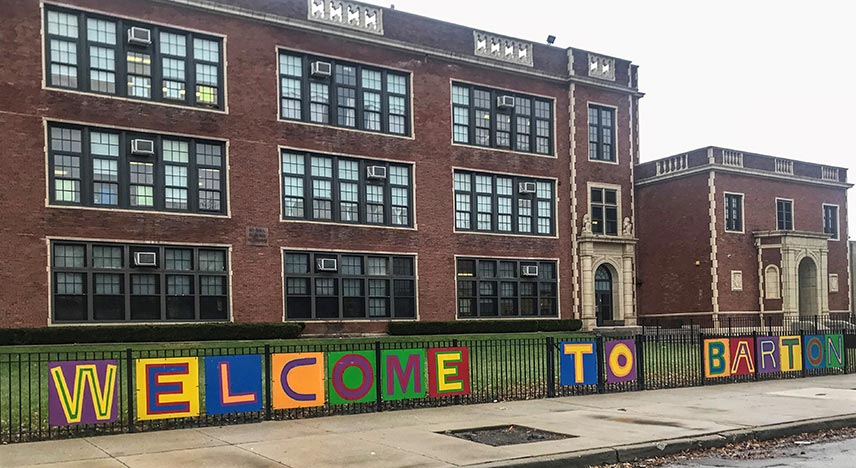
x,y
603,295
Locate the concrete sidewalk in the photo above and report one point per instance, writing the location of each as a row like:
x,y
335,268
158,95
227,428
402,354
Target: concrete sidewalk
x,y
609,428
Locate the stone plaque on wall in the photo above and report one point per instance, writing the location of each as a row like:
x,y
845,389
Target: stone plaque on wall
x,y
258,236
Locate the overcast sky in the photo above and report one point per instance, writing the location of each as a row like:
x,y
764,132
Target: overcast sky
x,y
772,77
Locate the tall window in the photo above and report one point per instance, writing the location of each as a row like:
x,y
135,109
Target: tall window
x,y
601,133
506,288
733,212
109,168
830,221
334,286
360,191
784,215
106,282
326,91
94,53
501,119
504,204
604,211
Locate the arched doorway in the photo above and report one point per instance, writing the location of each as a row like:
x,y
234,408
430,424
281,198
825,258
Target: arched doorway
x,y
808,288
603,295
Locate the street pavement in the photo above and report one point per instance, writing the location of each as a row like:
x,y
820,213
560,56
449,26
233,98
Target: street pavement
x,y
831,455
608,428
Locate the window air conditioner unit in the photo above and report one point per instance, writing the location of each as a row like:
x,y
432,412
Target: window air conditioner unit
x,y
505,102
327,264
321,69
527,187
142,147
145,259
530,270
139,36
376,172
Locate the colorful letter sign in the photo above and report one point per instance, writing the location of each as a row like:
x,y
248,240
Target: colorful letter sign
x,y
448,372
768,355
620,361
578,363
82,392
717,358
167,388
791,353
742,356
352,377
233,384
403,373
297,380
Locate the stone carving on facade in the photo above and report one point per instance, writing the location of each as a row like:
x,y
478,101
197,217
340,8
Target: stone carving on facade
x,y
348,14
601,67
587,224
502,48
628,227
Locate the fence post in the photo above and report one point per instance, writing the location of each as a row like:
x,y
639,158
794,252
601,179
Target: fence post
x,y
844,351
815,325
729,325
457,397
129,365
640,361
701,356
802,343
601,364
379,400
268,383
755,346
551,367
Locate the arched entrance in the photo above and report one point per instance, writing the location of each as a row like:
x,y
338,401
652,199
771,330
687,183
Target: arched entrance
x,y
808,288
603,295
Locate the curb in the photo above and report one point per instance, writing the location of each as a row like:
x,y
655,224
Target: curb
x,y
629,453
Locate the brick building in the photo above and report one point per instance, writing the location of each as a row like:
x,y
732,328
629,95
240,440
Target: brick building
x,y
852,274
190,160
727,233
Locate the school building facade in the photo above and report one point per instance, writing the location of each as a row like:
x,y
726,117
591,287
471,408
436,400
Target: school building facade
x,y
333,163
726,233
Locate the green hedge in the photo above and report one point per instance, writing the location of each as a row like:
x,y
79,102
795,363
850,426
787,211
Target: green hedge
x,y
150,333
483,326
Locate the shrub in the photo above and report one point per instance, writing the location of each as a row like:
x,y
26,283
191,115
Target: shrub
x,y
483,326
150,333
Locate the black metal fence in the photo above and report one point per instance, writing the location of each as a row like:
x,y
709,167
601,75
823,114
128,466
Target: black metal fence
x,y
514,368
770,324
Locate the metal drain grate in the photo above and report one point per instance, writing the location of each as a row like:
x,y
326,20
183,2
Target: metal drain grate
x,y
498,436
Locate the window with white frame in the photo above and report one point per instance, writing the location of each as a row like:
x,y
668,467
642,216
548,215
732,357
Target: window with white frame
x,y
120,57
506,288
320,187
830,221
604,211
111,282
784,214
733,212
109,168
501,203
342,286
331,92
501,119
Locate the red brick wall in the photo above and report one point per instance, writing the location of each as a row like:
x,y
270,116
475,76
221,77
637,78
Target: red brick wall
x,y
253,134
673,233
738,252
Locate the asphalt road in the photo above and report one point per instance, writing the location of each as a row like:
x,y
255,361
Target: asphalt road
x,y
830,455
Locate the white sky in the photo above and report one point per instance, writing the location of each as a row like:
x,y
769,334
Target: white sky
x,y
768,76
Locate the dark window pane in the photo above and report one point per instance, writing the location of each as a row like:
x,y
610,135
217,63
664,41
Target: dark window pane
x,y
145,308
327,307
180,308
213,308
108,308
69,308
298,308
405,308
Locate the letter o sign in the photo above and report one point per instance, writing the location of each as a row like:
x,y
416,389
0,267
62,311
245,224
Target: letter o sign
x,y
353,393
621,360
